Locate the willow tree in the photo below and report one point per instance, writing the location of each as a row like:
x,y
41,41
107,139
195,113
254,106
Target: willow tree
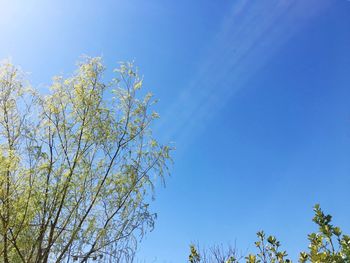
x,y
78,165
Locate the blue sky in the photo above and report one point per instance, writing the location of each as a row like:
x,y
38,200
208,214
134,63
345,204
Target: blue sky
x,y
255,95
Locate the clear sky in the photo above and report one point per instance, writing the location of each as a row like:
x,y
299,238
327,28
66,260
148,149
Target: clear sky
x,y
255,95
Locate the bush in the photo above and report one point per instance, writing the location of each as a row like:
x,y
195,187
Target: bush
x,y
328,245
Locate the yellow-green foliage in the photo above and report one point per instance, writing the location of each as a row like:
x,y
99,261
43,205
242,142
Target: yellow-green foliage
x,y
328,245
76,165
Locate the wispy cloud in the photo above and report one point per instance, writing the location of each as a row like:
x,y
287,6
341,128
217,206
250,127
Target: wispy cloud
x,y
251,35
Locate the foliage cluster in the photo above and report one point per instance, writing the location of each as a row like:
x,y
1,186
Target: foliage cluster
x,y
327,245
76,165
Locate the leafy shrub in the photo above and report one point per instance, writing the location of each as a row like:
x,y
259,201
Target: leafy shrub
x,y
328,245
